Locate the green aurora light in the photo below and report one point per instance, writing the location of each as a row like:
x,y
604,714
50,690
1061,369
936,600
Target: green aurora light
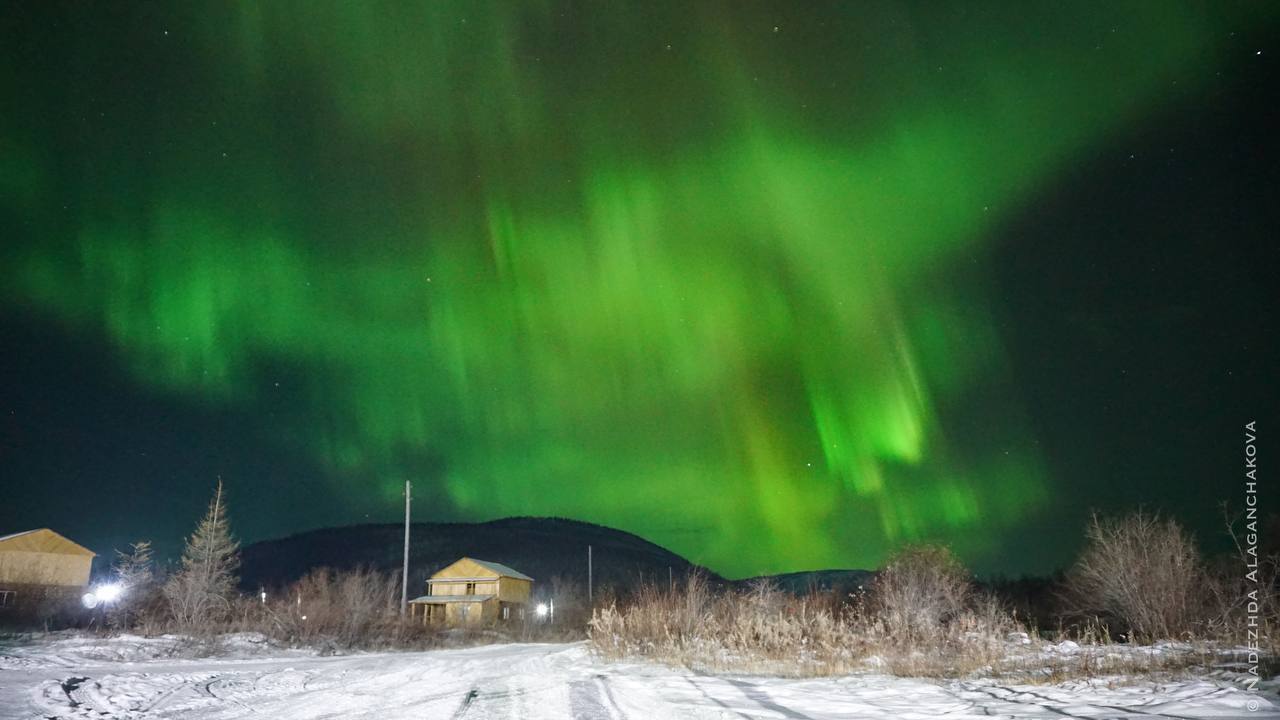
x,y
708,273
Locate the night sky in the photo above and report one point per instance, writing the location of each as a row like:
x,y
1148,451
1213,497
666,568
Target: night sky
x,y
778,286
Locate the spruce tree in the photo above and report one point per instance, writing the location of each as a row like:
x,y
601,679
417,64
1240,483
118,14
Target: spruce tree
x,y
133,569
200,592
135,573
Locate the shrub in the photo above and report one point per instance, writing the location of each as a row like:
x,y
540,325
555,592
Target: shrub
x,y
922,588
1142,571
354,609
1242,592
923,616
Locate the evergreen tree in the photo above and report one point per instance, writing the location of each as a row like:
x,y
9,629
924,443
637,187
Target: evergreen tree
x,y
133,569
200,592
136,575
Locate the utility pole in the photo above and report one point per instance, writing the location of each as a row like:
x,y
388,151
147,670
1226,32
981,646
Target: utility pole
x,y
588,576
404,575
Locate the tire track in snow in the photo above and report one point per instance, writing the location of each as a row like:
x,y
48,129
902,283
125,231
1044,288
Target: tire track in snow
x,y
753,694
715,699
761,698
590,699
603,681
71,687
164,698
495,698
467,699
1011,701
1052,704
227,689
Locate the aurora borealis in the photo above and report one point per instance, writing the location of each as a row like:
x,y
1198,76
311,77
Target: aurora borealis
x,y
724,275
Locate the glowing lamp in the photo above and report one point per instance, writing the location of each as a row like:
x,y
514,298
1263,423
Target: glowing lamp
x,y
109,592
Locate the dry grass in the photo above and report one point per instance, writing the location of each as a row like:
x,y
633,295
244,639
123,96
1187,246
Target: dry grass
x,y
768,632
921,617
761,630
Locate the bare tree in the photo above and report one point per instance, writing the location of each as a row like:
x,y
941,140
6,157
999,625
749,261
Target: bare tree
x,y
919,590
1142,570
201,590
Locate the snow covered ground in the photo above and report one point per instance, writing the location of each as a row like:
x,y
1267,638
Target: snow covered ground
x,y
146,678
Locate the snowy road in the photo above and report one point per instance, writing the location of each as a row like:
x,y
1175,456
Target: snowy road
x,y
534,682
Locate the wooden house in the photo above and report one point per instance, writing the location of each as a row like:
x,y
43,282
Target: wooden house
x,y
39,566
472,592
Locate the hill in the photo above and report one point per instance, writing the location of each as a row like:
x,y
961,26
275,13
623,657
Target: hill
x,y
844,582
551,550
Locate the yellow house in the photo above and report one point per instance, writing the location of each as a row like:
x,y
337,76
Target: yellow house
x,y
39,564
471,592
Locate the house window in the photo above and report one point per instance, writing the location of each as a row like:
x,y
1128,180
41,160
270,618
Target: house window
x,y
506,612
471,589
8,598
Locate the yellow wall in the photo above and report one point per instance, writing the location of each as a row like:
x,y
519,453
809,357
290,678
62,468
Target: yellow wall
x,y
508,589
435,587
471,613
514,590
479,612
37,568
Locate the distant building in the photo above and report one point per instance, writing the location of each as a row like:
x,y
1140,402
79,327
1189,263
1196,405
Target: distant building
x,y
471,592
40,570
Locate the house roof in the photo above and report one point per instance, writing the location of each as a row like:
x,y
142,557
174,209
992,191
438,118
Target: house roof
x,y
496,568
442,599
502,570
42,540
